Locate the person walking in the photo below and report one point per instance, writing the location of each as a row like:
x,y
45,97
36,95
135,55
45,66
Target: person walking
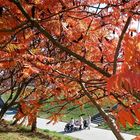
x,y
89,121
81,121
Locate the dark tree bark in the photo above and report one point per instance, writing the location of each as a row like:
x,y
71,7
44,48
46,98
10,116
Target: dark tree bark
x,y
34,125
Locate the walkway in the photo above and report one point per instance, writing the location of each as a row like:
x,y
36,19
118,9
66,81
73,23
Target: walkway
x,y
92,134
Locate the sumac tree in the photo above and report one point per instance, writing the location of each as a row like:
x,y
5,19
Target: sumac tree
x,y
79,50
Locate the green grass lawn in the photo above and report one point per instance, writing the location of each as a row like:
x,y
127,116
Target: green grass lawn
x,y
135,130
73,112
87,110
132,130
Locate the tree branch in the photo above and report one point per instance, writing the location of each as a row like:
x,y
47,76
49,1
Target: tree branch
x,y
58,44
119,44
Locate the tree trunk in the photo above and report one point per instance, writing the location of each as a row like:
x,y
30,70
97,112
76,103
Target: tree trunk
x,y
34,127
14,122
3,111
109,122
8,105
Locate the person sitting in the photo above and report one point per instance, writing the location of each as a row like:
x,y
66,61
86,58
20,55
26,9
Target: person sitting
x,y
85,123
71,124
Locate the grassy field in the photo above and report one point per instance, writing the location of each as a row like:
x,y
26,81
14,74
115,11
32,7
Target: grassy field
x,y
73,112
91,110
88,109
8,132
135,130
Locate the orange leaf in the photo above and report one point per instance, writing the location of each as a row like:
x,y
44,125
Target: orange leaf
x,y
136,138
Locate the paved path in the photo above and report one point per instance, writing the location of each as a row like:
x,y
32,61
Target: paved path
x,y
92,134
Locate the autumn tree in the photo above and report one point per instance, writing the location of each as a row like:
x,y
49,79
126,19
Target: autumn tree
x,y
83,50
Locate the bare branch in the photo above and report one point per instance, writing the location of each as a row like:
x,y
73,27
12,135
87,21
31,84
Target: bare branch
x,y
119,44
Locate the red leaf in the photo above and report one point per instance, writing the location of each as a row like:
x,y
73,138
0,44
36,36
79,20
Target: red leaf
x,y
125,116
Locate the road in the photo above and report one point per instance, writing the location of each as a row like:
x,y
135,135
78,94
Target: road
x,y
92,134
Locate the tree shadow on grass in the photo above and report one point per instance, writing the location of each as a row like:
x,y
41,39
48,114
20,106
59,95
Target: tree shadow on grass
x,y
7,128
31,135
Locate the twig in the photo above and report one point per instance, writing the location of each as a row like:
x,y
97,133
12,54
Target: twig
x,y
119,44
